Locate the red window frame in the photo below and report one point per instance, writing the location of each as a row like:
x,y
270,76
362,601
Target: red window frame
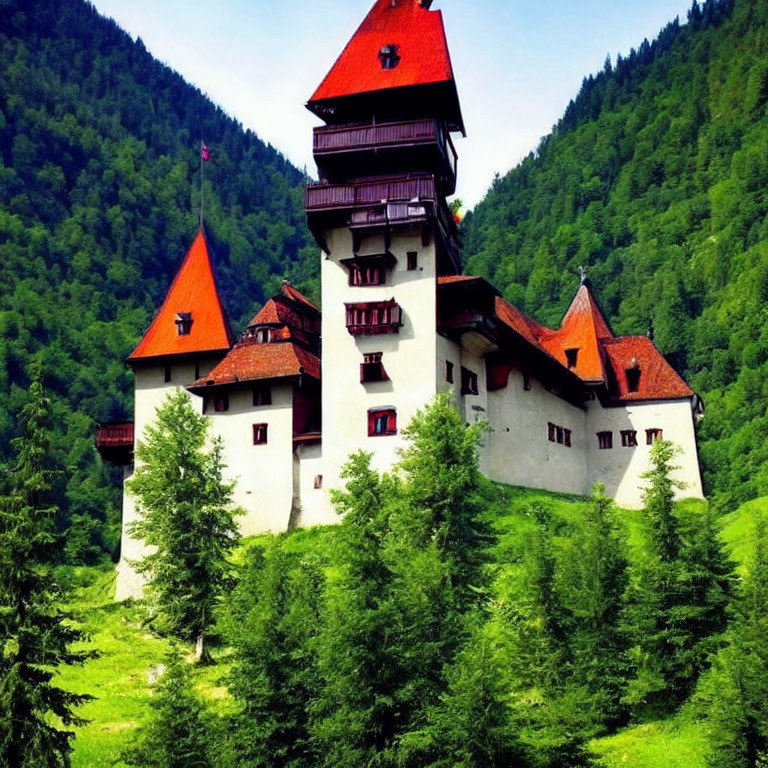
x,y
382,421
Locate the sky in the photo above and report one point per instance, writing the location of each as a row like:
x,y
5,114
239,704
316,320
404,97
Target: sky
x,y
517,64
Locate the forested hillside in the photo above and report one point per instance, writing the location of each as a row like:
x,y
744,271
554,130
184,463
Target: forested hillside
x,y
656,180
99,193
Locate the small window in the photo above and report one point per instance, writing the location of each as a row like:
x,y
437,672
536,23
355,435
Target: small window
x,y
167,374
468,382
382,421
263,335
526,382
371,369
633,379
559,435
262,395
318,481
571,357
412,260
183,323
367,274
220,402
259,434
628,438
604,440
567,437
449,371
652,435
388,56
551,431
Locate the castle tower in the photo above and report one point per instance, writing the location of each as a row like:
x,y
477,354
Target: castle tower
x,y
188,336
386,163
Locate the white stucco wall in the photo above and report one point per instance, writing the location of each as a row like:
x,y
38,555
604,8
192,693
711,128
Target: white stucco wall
x,y
409,357
620,468
316,508
519,451
263,474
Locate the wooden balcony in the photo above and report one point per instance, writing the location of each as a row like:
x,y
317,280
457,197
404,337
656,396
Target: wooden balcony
x,y
115,442
367,192
425,145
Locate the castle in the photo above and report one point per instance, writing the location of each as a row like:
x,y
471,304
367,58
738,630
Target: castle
x,y
301,389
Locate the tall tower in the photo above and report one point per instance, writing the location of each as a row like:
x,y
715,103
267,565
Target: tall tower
x,y
386,163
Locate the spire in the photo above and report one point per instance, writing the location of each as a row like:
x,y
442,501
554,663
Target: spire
x,y
191,319
400,44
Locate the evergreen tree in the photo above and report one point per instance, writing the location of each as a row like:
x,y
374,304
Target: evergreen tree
x,y
597,582
178,732
186,520
676,599
36,636
738,709
271,621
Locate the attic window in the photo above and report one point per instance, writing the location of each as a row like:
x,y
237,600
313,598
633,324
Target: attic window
x,y
633,379
263,335
388,56
571,356
183,323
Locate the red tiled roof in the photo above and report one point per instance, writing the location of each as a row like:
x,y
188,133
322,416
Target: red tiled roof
x,y
583,328
251,361
658,380
192,290
291,293
518,321
419,36
447,279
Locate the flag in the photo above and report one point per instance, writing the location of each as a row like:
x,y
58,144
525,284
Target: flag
x,y
204,153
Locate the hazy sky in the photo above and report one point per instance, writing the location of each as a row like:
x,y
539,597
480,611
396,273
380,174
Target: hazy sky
x,y
516,63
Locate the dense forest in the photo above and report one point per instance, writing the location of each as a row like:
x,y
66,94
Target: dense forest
x,y
99,193
656,181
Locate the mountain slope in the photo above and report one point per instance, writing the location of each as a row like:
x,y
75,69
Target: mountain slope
x,y
99,194
656,180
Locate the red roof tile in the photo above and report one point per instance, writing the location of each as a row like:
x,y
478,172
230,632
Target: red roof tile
x,y
291,293
192,290
419,36
582,328
658,380
251,361
518,321
447,279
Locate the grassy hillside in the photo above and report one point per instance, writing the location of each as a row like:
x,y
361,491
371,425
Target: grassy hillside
x,y
656,181
99,201
119,678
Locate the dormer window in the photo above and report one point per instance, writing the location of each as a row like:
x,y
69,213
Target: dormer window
x,y
388,56
633,378
183,323
263,335
572,356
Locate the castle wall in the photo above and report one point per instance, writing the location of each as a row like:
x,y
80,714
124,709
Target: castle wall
x,y
518,450
316,507
409,356
263,474
619,468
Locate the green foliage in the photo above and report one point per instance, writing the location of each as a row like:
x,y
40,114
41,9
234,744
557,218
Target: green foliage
x,y
186,517
655,179
271,620
36,636
99,194
177,735
676,603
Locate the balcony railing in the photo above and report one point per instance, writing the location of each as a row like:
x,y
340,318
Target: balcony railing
x,y
115,435
332,139
320,197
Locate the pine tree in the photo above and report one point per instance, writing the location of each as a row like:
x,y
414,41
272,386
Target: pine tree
x,y
738,711
36,636
271,621
178,732
187,519
676,599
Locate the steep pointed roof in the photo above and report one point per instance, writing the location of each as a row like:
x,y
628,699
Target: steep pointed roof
x,y
421,49
193,292
583,328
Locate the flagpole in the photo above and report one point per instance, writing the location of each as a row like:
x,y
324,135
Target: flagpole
x,y
202,144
